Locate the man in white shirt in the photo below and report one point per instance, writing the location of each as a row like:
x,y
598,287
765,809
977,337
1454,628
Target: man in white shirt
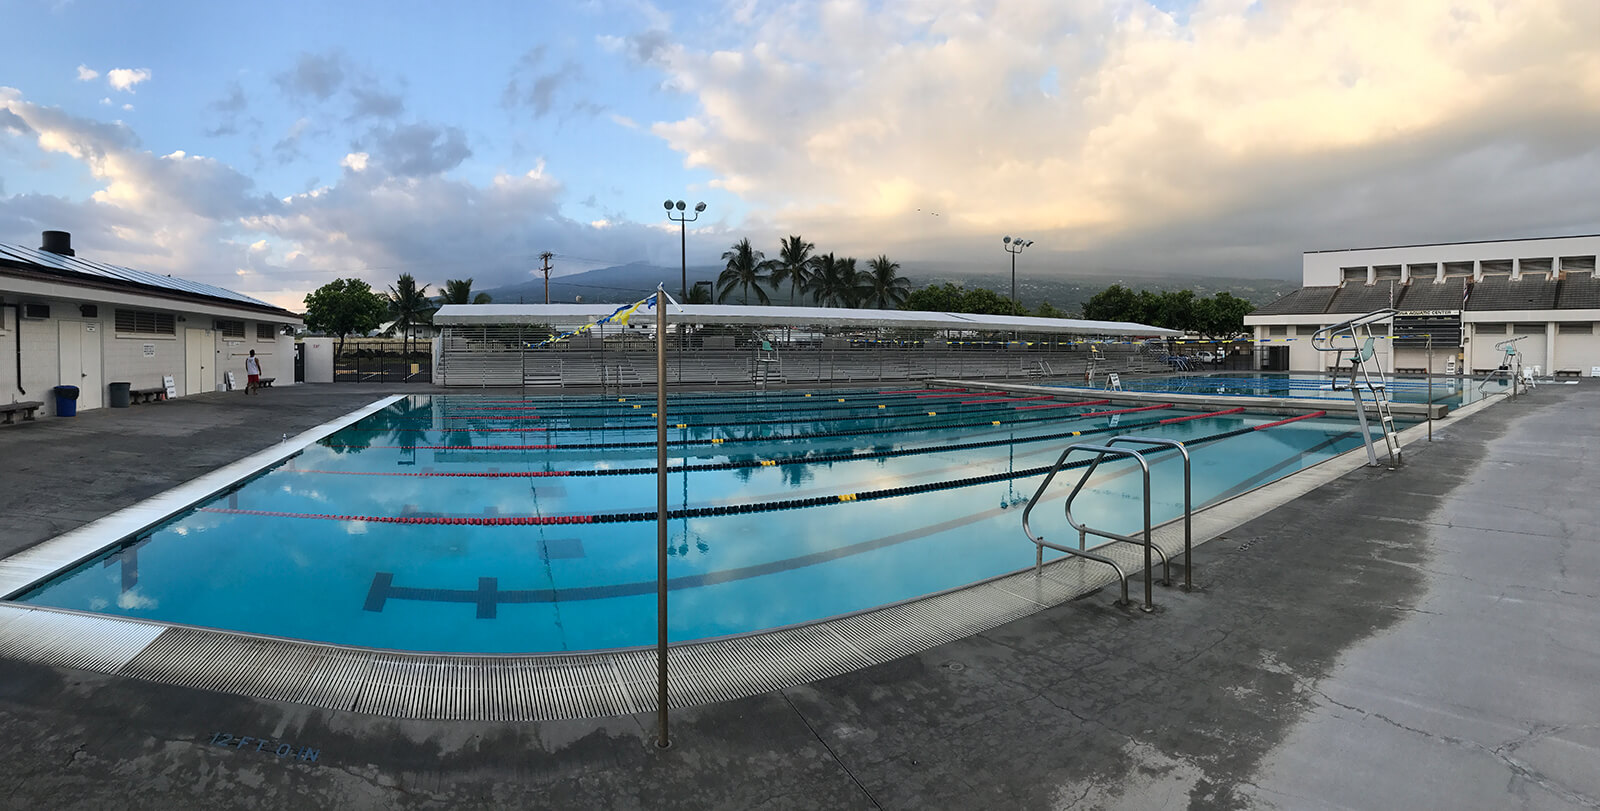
x,y
252,370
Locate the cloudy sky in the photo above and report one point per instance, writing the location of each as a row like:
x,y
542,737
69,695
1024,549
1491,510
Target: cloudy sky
x,y
272,148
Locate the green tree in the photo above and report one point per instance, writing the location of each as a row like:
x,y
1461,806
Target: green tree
x,y
700,293
1222,315
955,298
459,291
1115,303
343,306
834,282
884,287
794,265
1048,310
409,307
745,270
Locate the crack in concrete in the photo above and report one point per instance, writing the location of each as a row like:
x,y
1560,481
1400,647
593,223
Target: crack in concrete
x,y
1518,768
831,753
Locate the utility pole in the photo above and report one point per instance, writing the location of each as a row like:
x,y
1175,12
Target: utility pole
x,y
546,256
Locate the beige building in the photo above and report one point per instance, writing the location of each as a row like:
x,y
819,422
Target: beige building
x,y
1467,299
66,320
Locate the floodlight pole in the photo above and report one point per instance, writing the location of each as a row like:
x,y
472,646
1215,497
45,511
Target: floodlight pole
x,y
683,239
662,739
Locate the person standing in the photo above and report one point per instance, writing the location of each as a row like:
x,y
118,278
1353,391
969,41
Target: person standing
x,y
252,371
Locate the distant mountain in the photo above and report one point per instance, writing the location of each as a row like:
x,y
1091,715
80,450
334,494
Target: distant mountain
x,y
624,283
616,285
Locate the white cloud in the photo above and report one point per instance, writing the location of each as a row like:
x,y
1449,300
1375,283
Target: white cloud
x,y
125,78
355,161
624,121
128,107
1087,123
87,74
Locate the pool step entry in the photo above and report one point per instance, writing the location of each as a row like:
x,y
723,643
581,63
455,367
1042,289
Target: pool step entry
x,y
1365,374
1101,453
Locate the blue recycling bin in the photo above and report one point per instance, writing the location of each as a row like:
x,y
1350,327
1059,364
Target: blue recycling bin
x,y
66,401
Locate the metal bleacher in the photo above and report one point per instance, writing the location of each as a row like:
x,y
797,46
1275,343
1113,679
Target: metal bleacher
x,y
484,358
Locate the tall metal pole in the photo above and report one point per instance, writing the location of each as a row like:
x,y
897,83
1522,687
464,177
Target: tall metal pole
x,y
662,740
1013,277
683,258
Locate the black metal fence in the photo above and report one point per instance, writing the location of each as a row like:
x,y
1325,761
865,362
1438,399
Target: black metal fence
x,y
385,361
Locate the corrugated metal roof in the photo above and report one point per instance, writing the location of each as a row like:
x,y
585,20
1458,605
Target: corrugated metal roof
x,y
1305,301
1579,291
1430,295
1361,298
1500,293
461,314
142,278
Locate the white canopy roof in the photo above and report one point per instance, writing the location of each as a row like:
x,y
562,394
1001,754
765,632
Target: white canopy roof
x,y
469,314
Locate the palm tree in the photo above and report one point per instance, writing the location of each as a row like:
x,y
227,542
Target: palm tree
x,y
459,291
834,282
745,270
884,288
408,307
794,265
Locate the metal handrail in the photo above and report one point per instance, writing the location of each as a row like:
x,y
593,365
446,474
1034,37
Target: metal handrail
x,y
1188,505
1321,336
1101,452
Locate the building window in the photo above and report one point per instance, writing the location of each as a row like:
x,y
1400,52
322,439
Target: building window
x,y
1527,329
1582,328
144,322
1277,330
231,329
1353,274
266,332
1379,329
1304,330
1490,329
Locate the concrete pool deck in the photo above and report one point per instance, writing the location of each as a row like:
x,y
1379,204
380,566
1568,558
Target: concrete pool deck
x,y
1421,638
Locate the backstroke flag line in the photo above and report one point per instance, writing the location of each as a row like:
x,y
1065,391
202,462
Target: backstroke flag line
x,y
617,316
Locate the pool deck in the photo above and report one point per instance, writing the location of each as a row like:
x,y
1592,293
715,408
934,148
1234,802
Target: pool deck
x,y
1422,638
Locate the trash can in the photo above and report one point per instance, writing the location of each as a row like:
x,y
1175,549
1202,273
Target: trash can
x,y
66,401
119,395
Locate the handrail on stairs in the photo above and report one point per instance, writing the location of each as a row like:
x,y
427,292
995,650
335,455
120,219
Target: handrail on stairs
x,y
1102,452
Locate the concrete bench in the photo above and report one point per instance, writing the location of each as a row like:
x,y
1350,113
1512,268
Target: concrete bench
x,y
1407,370
149,395
26,408
1569,373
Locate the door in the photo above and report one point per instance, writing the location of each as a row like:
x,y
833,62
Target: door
x,y
80,361
199,352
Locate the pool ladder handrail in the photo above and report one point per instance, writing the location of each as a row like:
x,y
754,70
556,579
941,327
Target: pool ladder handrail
x,y
1102,452
1365,361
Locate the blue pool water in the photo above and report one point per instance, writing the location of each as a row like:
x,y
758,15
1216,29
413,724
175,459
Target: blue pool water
x,y
453,523
1452,391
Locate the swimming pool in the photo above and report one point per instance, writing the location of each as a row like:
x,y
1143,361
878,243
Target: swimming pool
x,y
488,524
1452,391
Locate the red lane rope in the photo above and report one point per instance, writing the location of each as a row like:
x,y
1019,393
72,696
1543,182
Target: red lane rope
x,y
960,394
1063,405
919,391
1292,419
1125,410
1201,416
1007,400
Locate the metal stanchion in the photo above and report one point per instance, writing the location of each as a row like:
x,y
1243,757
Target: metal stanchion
x,y
662,739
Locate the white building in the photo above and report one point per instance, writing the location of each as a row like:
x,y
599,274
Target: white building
x,y
65,320
1468,296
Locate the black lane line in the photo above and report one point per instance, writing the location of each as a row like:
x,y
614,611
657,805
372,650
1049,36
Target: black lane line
x,y
382,581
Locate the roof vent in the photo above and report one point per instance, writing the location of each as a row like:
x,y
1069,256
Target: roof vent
x,y
58,242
